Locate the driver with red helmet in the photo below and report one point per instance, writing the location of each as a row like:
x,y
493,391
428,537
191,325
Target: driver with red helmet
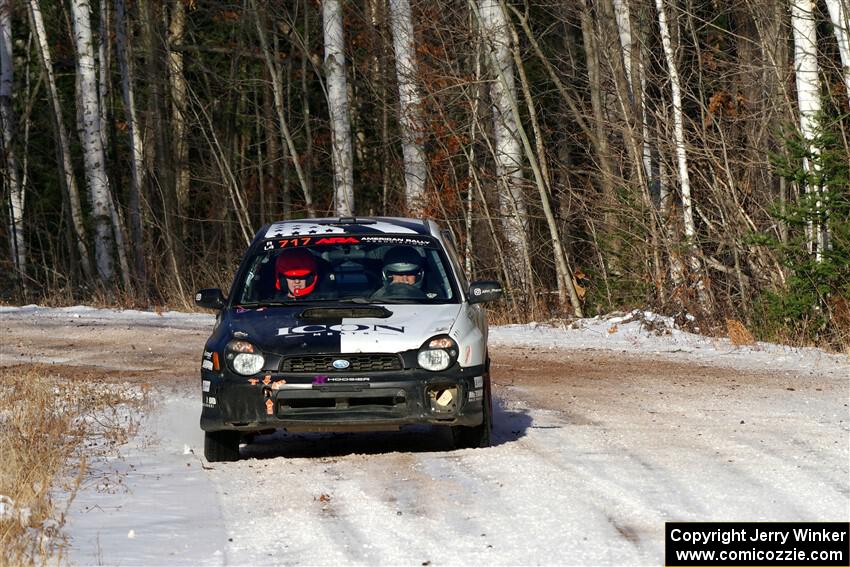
x,y
296,273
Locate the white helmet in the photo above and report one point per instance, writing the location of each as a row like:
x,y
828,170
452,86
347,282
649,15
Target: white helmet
x,y
403,260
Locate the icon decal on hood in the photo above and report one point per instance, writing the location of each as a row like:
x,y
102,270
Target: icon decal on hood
x,y
341,328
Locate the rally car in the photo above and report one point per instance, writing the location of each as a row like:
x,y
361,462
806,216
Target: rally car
x,y
347,324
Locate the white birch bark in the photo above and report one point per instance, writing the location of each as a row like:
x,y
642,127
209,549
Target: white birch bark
x,y
90,136
508,148
137,152
338,107
410,105
838,11
63,147
104,60
10,162
808,96
633,64
681,154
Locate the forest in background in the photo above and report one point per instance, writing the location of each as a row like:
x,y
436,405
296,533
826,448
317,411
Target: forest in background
x,y
689,156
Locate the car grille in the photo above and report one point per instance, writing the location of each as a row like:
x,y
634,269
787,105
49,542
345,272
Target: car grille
x,y
358,363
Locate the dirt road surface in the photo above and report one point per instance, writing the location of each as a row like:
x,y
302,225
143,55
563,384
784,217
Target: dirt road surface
x,y
593,452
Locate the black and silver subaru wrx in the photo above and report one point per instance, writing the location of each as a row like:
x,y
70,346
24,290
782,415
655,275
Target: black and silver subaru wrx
x,y
347,324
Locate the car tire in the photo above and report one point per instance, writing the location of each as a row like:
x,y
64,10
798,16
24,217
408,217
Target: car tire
x,y
477,436
220,446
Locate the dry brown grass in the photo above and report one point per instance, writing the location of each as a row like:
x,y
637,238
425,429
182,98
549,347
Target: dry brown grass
x,y
52,421
738,333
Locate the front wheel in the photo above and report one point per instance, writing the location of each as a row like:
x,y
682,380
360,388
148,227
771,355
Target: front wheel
x,y
478,435
221,446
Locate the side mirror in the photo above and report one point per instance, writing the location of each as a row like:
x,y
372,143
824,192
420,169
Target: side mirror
x,y
210,298
483,291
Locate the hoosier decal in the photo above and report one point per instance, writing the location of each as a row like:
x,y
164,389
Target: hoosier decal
x,y
341,329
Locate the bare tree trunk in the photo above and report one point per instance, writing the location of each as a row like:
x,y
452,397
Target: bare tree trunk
x,y
508,148
410,105
137,152
808,99
93,154
179,141
838,16
338,107
63,147
7,151
277,89
594,77
104,68
681,157
635,74
104,60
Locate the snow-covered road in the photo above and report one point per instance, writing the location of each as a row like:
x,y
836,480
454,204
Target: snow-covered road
x,y
603,433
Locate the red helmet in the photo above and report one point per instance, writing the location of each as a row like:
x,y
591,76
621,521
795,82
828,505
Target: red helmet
x,y
297,263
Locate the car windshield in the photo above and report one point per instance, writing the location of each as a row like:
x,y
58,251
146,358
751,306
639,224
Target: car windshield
x,y
350,268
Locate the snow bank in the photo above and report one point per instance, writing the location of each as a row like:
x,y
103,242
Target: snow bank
x,y
637,332
644,332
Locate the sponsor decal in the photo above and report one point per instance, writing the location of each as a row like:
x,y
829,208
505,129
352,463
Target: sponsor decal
x,y
205,385
207,365
478,381
241,309
208,354
269,407
283,229
197,297
340,364
320,379
253,381
342,329
298,241
402,240
278,384
240,335
267,379
475,395
209,402
348,379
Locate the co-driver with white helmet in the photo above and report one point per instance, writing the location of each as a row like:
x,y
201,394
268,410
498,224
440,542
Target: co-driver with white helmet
x,y
403,274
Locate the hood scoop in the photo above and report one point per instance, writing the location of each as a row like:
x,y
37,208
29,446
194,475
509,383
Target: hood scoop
x,y
323,313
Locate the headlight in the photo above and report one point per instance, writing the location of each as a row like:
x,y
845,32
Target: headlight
x,y
247,364
244,358
437,354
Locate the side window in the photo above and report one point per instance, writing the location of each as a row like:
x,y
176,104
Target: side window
x,y
448,242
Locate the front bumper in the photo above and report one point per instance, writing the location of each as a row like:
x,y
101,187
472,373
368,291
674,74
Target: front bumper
x,y
341,400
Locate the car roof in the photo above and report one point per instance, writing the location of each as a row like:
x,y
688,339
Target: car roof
x,y
348,225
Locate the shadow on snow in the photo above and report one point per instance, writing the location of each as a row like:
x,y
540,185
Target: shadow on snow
x,y
508,426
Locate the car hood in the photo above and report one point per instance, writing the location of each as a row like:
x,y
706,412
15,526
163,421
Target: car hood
x,y
335,329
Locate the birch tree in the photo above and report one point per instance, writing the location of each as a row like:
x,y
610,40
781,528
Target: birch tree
x,y
508,148
681,154
635,74
7,151
808,101
63,146
338,107
838,16
90,136
410,105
